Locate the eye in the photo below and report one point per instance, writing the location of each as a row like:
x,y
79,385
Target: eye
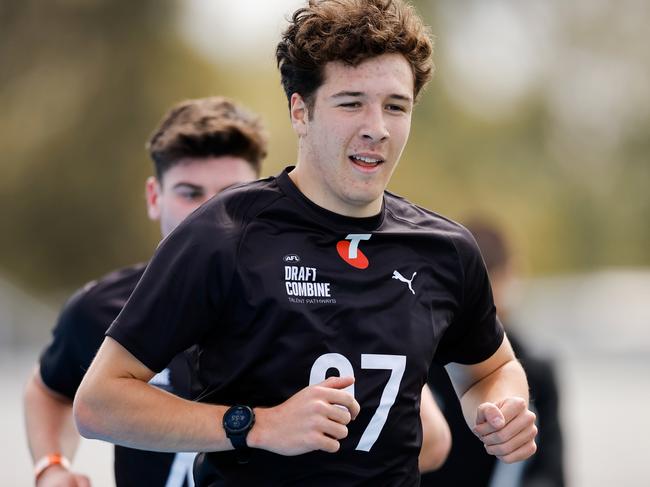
x,y
395,108
190,194
350,104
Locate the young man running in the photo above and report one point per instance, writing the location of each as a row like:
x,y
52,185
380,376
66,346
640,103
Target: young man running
x,y
201,147
313,350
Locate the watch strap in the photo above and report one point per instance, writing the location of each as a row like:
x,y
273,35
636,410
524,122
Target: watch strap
x,y
239,440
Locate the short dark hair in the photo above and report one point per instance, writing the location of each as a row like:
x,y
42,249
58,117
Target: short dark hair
x,y
207,127
350,31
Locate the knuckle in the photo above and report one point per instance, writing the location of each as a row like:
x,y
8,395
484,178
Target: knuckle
x,y
508,459
319,407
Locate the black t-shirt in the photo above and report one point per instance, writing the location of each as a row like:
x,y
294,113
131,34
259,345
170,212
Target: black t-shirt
x,y
277,292
79,332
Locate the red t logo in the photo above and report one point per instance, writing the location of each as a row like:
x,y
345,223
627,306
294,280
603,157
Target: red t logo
x,y
348,250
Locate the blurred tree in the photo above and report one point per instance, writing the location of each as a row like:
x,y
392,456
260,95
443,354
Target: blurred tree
x,y
538,115
82,85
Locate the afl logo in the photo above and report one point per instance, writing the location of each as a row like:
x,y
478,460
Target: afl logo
x,y
291,258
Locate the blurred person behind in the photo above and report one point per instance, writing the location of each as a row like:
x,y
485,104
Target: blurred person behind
x,y
545,468
201,147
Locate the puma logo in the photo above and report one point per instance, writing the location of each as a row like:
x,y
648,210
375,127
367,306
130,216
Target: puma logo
x,y
400,277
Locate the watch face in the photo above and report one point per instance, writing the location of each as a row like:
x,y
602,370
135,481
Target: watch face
x,y
237,418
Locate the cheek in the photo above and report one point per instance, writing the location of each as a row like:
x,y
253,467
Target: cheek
x,y
176,209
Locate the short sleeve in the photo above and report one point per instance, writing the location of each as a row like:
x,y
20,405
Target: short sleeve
x,y
75,340
476,333
180,295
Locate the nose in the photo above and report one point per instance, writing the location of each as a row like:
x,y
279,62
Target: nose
x,y
374,128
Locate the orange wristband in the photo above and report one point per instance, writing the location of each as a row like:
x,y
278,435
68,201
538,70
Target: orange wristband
x,y
47,461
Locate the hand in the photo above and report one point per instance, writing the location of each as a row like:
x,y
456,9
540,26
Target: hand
x,y
507,429
57,476
315,418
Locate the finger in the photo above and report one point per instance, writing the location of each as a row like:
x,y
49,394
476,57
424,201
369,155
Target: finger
x,y
521,439
339,414
522,453
489,413
338,382
329,445
512,407
522,422
334,430
342,398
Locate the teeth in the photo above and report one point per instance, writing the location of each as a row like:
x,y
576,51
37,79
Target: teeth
x,y
368,160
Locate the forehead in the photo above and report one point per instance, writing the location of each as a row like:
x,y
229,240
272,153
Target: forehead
x,y
385,75
205,171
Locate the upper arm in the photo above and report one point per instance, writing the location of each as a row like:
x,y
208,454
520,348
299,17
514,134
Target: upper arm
x,y
464,376
75,340
180,295
474,332
113,361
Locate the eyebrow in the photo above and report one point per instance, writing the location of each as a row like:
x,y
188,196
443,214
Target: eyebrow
x,y
187,185
342,94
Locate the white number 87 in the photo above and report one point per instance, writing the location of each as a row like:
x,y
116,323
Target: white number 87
x,y
395,363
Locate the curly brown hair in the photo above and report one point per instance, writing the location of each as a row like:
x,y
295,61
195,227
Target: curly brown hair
x,y
207,127
350,31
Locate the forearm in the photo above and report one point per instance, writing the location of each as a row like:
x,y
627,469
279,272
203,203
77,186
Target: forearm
x,y
115,403
508,380
48,420
436,436
130,412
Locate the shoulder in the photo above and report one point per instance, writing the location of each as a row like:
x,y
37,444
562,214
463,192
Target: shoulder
x,y
81,326
95,299
239,204
216,227
418,219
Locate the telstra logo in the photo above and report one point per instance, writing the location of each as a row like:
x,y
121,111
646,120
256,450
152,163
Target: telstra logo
x,y
349,251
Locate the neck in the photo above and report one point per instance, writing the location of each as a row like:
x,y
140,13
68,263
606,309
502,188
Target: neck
x,y
304,179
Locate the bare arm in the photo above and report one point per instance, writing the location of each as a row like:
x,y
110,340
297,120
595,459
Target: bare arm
x,y
50,429
115,403
436,437
494,399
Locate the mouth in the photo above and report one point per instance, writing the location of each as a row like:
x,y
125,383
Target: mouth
x,y
366,162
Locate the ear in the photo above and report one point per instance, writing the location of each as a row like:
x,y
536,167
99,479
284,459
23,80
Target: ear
x,y
299,115
152,193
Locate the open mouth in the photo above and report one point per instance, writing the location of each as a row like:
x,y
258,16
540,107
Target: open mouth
x,y
365,161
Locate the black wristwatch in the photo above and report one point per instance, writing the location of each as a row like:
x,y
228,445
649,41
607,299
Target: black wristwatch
x,y
237,422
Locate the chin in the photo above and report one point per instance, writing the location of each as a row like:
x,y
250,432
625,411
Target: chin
x,y
364,198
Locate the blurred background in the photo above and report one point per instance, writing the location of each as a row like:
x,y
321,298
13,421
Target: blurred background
x,y
538,118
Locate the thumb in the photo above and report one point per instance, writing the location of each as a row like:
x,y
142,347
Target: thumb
x,y
338,382
489,413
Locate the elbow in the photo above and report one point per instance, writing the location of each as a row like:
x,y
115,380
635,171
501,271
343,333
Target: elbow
x,y
434,455
86,417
